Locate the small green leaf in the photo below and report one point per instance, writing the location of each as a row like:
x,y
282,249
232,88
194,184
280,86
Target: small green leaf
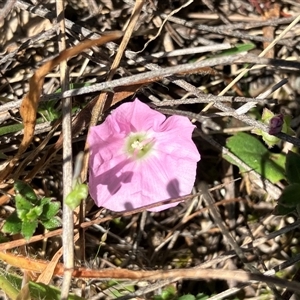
x,y
290,196
51,223
3,239
292,167
252,152
28,229
167,293
79,192
50,210
13,224
3,156
45,200
34,213
238,48
22,206
202,296
187,297
39,290
25,190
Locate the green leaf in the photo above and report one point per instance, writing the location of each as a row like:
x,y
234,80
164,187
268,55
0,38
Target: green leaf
x,y
280,210
50,210
187,297
238,48
79,192
13,224
292,167
45,200
22,207
290,196
3,238
28,229
167,293
34,213
26,191
202,296
39,290
51,223
3,156
252,152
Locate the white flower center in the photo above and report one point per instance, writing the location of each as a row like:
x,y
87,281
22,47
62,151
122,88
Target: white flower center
x,y
139,145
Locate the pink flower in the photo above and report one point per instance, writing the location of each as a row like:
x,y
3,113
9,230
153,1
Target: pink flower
x,y
138,157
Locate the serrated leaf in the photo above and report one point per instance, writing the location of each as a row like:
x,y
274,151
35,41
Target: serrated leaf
x,y
28,229
51,224
251,151
45,200
292,167
50,210
23,206
26,191
290,196
13,224
34,213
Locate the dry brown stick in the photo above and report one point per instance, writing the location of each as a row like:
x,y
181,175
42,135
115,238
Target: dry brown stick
x,y
6,9
188,273
67,220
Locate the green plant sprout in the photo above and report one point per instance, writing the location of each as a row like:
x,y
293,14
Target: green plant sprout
x,y
31,211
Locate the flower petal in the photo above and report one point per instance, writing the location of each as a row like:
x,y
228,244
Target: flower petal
x,y
120,182
137,116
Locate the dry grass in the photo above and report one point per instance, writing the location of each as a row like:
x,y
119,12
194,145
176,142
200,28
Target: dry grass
x,y
228,224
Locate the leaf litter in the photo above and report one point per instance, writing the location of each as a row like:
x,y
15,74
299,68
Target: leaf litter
x,y
187,236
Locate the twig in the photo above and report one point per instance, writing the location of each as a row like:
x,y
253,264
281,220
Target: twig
x,y
262,54
68,225
221,31
47,14
6,9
